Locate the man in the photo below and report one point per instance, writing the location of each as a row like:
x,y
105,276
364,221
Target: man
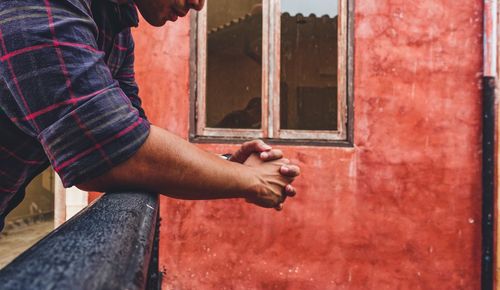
x,y
68,98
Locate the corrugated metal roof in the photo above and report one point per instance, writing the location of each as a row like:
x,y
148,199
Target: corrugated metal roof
x,y
248,16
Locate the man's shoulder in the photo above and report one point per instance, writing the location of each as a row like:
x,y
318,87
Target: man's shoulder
x,y
39,11
31,22
32,6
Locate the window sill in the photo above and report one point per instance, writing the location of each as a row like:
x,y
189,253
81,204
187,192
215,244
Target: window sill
x,y
288,142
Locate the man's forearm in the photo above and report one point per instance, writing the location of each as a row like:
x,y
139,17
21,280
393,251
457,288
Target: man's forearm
x,y
171,165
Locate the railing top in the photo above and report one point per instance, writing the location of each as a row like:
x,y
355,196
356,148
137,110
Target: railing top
x,y
106,246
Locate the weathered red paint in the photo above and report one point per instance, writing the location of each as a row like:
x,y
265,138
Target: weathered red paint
x,y
400,210
93,196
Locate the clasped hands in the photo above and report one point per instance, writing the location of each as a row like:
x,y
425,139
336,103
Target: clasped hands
x,y
276,173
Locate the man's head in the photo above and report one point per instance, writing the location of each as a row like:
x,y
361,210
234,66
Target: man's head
x,y
158,12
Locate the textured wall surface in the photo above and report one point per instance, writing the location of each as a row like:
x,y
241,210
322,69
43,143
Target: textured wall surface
x,y
400,210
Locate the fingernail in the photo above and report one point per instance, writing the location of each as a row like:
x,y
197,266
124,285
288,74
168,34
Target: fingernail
x,y
285,170
264,155
289,188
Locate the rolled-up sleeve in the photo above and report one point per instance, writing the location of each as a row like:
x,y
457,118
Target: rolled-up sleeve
x,y
94,137
62,92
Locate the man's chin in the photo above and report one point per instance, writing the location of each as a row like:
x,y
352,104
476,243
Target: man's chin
x,y
173,18
157,21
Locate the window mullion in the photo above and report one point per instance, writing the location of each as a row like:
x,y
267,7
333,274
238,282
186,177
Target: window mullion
x,y
266,77
274,33
342,69
201,71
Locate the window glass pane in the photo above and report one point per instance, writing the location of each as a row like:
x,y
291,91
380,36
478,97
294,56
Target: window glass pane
x,y
234,64
309,64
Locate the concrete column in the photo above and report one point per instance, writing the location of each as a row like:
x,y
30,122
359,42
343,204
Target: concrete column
x,y
76,200
59,202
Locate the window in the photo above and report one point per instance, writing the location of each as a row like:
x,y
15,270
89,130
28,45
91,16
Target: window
x,y
272,69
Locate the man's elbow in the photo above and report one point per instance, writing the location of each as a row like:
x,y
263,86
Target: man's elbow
x,y
92,185
86,186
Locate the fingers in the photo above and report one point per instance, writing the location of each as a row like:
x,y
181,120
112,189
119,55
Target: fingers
x,y
274,200
290,170
290,190
286,192
270,155
266,202
255,146
248,148
280,202
277,203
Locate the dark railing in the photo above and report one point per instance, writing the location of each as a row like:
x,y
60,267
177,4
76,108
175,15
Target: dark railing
x,y
112,244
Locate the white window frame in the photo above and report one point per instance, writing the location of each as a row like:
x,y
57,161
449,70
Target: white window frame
x,y
271,64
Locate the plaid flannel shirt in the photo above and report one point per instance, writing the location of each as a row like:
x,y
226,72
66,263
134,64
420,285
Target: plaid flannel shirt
x,y
68,96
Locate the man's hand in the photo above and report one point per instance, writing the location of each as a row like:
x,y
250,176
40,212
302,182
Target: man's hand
x,y
270,191
266,153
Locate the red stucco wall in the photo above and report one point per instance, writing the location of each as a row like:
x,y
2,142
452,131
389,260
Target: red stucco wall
x,y
400,210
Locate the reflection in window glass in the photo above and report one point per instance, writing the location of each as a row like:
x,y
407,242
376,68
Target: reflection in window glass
x,y
309,64
234,64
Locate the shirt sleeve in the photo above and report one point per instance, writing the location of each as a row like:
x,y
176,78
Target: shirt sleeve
x,y
126,75
62,92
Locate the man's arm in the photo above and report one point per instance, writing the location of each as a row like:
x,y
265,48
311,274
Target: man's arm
x,y
167,163
63,94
